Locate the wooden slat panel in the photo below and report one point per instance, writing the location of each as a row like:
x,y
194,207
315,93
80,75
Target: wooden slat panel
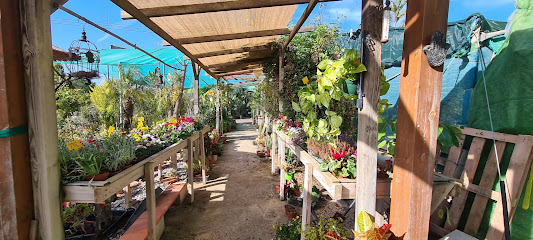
x,y
202,7
487,180
241,35
472,160
453,158
488,135
232,51
515,178
281,153
238,72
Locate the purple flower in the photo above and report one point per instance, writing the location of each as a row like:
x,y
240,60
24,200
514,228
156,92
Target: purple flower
x,y
149,139
167,136
181,128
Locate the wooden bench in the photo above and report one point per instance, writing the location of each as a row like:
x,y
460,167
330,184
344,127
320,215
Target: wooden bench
x,y
139,229
462,164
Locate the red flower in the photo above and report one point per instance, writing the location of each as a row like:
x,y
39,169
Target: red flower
x,y
91,140
337,156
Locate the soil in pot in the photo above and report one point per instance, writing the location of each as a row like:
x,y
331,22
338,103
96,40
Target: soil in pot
x,y
290,211
100,177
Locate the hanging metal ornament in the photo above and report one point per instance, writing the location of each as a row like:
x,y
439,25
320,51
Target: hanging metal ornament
x,y
84,59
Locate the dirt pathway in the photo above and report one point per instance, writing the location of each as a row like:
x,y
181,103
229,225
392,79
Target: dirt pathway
x,y
240,200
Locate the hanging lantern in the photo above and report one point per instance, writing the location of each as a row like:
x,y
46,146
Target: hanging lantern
x,y
84,59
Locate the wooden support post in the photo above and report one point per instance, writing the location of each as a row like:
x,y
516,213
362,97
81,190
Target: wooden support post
x,y
127,195
308,197
418,121
281,154
150,199
217,120
202,157
196,72
190,176
160,171
274,150
174,160
367,137
281,76
40,99
16,201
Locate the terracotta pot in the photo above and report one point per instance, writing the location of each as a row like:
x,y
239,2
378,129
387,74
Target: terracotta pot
x,y
100,177
382,175
290,211
296,192
211,160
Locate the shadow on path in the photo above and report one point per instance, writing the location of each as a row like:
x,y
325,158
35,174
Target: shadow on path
x,y
240,200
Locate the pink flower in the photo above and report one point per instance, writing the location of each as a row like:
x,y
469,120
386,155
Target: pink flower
x,y
354,154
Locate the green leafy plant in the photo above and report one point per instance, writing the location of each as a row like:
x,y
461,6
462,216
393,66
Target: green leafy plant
x,y
290,230
120,149
370,230
324,229
315,99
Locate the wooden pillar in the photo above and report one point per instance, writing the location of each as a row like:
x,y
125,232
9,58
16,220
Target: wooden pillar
x,y
281,154
418,120
281,77
274,150
15,174
202,157
42,127
367,137
190,175
308,197
196,72
150,199
217,121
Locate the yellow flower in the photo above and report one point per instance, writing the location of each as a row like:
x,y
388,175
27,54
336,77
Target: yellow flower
x,y
297,217
111,129
274,226
140,119
305,80
280,228
88,130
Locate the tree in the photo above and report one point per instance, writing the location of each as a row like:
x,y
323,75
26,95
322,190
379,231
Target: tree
x,y
132,85
398,9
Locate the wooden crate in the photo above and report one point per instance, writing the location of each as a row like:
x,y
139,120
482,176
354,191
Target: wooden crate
x,y
99,191
463,169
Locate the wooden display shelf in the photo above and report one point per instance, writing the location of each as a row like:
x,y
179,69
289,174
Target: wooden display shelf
x,y
337,188
99,191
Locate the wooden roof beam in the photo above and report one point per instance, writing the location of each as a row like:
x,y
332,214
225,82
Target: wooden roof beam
x,y
146,21
243,35
240,62
213,7
300,22
233,51
246,78
240,67
238,72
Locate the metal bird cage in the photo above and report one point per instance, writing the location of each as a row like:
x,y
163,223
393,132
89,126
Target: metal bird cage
x,y
84,59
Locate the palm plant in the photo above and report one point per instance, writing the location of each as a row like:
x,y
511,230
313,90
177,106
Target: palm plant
x,y
398,8
132,84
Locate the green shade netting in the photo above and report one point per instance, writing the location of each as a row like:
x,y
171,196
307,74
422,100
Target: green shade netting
x,y
509,81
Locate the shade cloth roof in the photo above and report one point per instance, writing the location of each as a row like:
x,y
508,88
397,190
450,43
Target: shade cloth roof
x,y
204,27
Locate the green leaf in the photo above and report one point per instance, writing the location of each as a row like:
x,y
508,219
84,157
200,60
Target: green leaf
x,y
311,98
382,144
391,148
323,167
336,121
322,126
337,93
324,99
359,69
345,172
296,107
384,88
330,113
324,63
306,106
318,72
364,222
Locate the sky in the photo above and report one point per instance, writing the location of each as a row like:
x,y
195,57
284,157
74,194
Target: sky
x,y
66,28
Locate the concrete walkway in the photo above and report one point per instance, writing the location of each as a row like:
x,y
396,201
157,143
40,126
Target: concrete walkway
x,y
240,200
